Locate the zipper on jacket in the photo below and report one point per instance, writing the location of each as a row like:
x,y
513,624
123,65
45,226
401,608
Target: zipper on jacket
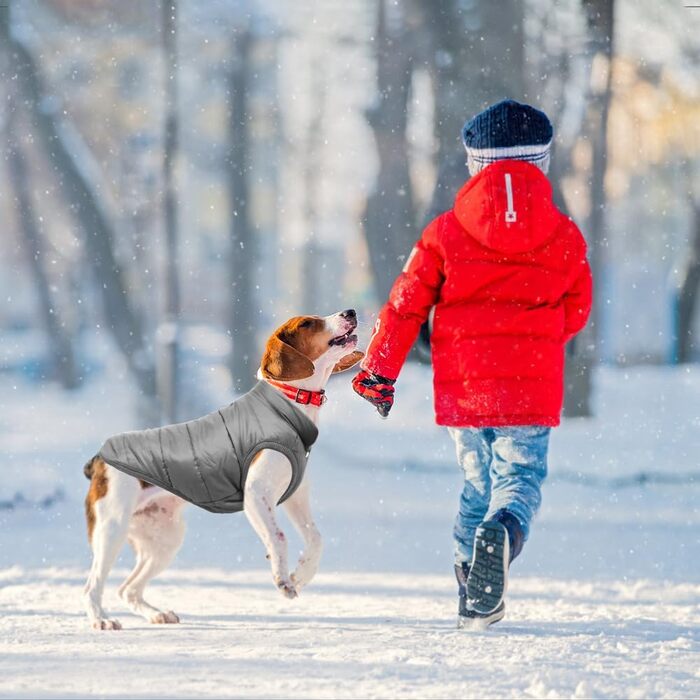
x,y
511,216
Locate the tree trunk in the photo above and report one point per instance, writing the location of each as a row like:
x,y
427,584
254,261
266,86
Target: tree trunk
x,y
599,19
59,340
242,251
477,60
584,351
168,330
390,227
578,377
79,176
312,296
688,294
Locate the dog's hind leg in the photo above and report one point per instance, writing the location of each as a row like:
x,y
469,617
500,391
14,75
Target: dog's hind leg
x,y
268,479
156,533
109,504
299,511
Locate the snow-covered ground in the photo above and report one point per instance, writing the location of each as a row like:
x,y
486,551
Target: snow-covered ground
x,y
604,602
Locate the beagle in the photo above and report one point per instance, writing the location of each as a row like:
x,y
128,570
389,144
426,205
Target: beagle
x,y
122,505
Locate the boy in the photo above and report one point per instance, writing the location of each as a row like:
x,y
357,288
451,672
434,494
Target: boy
x,y
507,275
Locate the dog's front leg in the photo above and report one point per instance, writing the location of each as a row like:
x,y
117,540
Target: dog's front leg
x,y
299,512
268,479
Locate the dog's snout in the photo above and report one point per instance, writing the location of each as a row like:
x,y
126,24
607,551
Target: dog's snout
x,y
348,313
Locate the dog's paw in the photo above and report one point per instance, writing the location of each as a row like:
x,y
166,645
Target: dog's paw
x,y
287,589
165,618
298,580
304,574
106,625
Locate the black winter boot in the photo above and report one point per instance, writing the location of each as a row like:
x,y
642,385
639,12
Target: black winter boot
x,y
470,619
497,542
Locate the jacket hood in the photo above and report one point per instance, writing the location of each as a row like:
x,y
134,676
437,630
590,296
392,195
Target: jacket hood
x,y
508,207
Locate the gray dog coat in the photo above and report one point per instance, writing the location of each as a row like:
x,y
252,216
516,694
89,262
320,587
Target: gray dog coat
x,y
206,461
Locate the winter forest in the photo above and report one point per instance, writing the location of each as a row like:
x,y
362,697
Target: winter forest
x,y
178,178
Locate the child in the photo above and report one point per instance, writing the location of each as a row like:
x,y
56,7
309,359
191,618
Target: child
x,y
507,276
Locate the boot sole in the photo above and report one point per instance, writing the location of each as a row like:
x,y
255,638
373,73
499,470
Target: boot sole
x,y
480,622
488,575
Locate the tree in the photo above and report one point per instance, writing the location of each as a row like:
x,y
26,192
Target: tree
x,y
390,220
313,171
688,290
599,16
168,331
59,339
476,59
80,179
242,243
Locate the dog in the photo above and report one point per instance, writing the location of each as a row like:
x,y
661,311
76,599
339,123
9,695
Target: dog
x,y
299,358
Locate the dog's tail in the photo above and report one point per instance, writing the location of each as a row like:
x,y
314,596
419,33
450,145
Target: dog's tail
x,y
89,467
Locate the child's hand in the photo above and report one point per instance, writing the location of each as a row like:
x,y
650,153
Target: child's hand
x,y
379,391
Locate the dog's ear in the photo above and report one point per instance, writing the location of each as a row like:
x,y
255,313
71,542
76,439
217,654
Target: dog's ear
x,y
348,361
283,362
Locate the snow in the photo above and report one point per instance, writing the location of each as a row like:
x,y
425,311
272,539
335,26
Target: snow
x,y
357,635
604,601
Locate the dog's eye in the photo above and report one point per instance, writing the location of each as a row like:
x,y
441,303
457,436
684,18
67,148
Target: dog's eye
x,y
305,324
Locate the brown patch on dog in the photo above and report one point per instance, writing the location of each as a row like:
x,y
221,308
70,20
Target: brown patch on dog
x,y
307,334
87,469
283,363
144,484
293,347
97,490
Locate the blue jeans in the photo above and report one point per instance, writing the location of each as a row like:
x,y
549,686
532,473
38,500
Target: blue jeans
x,y
503,470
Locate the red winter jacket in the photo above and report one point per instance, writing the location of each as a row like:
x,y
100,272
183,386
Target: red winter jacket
x,y
507,274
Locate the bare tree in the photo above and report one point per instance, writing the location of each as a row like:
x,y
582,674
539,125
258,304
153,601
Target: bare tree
x,y
59,338
311,294
80,179
557,50
599,16
168,331
390,220
242,245
688,292
476,59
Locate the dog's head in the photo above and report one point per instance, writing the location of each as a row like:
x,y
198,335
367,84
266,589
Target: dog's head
x,y
306,345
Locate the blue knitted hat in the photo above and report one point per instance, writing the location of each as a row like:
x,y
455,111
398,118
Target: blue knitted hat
x,y
507,130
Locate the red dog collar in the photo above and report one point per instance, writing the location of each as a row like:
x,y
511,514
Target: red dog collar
x,y
302,396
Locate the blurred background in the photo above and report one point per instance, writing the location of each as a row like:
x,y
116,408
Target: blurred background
x,y
180,177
